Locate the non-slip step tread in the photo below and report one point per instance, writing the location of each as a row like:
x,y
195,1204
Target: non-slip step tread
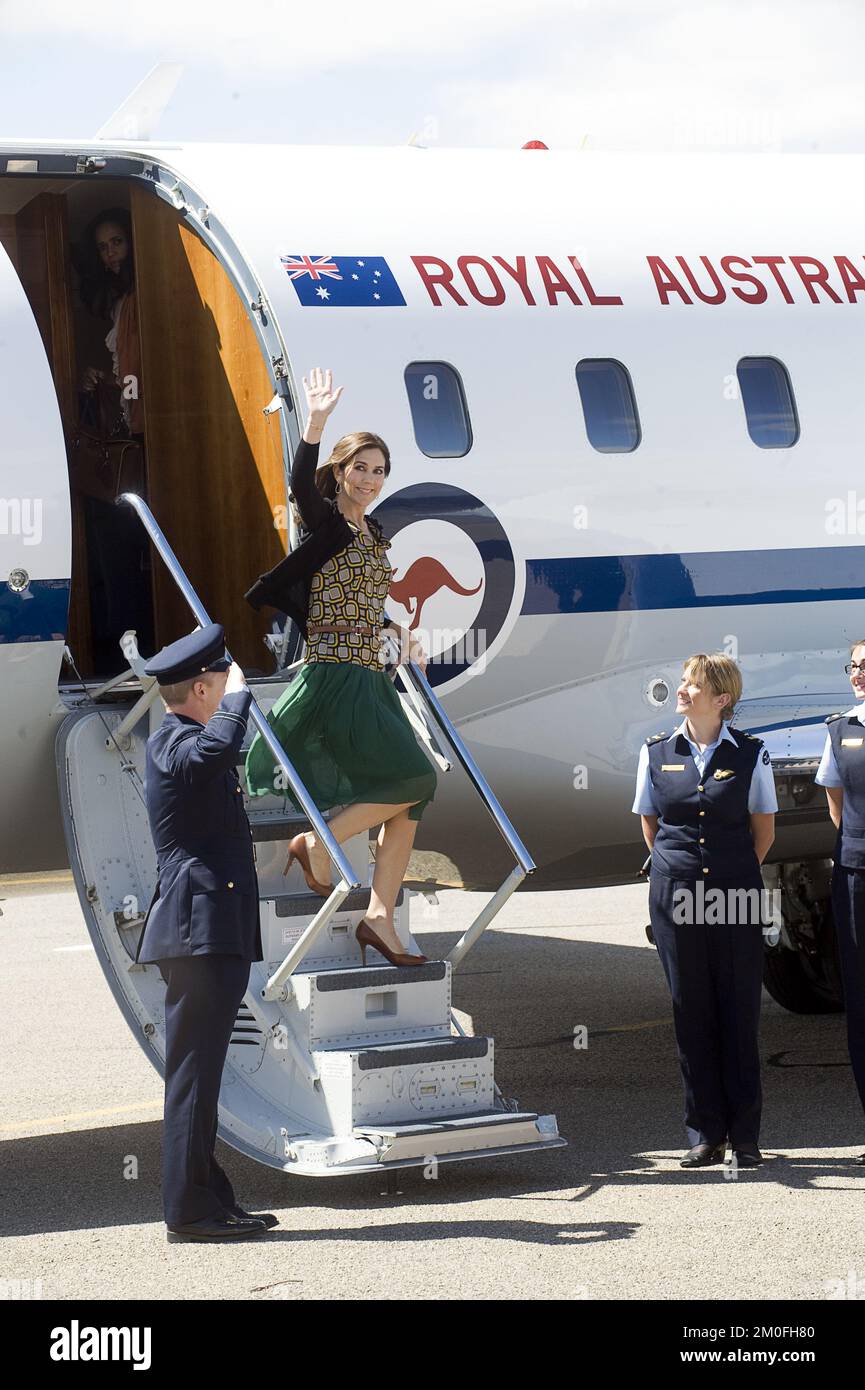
x,y
444,1124
330,981
416,1054
274,825
308,904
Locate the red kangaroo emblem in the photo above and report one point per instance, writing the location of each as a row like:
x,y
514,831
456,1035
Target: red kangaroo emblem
x,y
422,579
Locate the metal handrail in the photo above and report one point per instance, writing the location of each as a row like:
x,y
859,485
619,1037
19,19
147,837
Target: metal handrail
x,y
412,676
349,879
420,694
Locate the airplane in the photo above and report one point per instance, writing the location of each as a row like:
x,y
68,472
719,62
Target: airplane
x,y
613,386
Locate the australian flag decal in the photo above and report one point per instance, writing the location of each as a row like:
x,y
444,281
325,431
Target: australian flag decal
x,y
344,281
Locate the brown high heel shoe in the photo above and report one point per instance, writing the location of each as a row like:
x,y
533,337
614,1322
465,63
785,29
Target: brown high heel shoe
x,y
367,937
298,849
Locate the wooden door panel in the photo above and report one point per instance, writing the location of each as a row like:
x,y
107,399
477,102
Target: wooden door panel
x,y
215,467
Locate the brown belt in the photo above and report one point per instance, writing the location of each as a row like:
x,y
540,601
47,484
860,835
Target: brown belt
x,y
367,631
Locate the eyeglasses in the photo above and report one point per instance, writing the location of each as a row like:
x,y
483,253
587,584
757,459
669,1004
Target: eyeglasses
x,y
854,666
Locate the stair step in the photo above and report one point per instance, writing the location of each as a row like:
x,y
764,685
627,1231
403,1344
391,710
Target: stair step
x,y
463,1136
307,904
275,825
413,1054
367,977
446,1124
385,1004
285,917
394,1083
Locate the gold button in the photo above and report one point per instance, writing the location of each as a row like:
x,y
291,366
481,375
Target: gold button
x,y
702,841
701,788
702,813
230,884
705,871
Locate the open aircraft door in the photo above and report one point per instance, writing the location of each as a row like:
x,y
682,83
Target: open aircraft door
x,y
35,545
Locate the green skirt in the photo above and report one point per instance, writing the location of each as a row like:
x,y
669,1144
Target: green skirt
x,y
344,729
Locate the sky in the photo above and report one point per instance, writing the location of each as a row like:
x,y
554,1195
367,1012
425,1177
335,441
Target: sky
x,y
619,75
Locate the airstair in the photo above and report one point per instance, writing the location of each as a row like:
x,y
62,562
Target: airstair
x,y
333,1066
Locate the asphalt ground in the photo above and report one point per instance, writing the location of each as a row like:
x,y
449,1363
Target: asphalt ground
x,y
611,1216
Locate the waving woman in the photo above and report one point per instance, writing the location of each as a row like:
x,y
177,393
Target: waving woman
x,y
340,720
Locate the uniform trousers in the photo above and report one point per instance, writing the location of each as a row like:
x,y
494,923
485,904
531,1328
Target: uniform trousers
x,y
714,970
201,1003
848,907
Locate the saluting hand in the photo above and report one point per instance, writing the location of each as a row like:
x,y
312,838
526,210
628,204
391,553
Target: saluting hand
x,y
320,395
235,680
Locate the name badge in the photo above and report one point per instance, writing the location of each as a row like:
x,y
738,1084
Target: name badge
x,y
672,767
851,742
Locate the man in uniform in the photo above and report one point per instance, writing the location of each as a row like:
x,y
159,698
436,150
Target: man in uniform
x,y
203,928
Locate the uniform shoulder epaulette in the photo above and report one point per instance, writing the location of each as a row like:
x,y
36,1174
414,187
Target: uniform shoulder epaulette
x,y
743,733
654,738
830,718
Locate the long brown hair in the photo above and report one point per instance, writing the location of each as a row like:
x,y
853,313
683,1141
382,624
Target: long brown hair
x,y
343,454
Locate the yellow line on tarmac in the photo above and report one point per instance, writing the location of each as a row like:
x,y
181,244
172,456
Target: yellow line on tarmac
x,y
23,880
83,1115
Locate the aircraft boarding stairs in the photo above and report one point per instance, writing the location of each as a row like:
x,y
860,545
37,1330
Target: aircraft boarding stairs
x,y
333,1066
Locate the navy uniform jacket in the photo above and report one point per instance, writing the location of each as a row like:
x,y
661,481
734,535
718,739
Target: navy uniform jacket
x,y
206,899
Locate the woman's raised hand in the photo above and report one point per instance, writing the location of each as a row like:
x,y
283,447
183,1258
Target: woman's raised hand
x,y
320,395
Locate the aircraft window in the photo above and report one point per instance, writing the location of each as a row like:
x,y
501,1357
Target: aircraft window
x,y
609,407
438,410
770,410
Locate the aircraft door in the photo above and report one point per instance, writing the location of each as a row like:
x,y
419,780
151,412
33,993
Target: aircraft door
x,y
35,569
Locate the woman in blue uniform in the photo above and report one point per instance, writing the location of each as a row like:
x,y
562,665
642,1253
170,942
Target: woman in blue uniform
x,y
842,773
706,797
340,720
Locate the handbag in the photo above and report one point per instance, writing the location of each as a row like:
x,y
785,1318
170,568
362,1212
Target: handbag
x,y
103,460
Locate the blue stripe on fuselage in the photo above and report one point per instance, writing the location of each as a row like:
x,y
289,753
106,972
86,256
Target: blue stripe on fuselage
x,y
728,578
38,614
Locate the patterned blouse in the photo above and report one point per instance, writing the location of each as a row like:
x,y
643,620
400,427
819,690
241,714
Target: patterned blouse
x,y
351,587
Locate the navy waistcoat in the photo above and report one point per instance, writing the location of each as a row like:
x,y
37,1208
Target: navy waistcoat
x,y
848,745
704,826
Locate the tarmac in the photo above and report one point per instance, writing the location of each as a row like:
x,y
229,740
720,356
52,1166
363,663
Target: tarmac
x,y
574,995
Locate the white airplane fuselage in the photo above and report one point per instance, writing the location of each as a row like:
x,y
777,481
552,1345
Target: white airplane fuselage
x,y
575,581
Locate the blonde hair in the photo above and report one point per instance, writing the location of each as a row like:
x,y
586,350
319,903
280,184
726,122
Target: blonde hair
x,y
720,673
180,691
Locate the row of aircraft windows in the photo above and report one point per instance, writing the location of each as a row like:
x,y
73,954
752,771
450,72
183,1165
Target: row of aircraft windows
x,y
442,428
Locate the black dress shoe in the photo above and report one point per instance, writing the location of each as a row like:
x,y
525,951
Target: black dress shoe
x,y
747,1155
702,1155
223,1226
266,1216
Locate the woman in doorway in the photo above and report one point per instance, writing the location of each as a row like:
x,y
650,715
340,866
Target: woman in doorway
x,y
340,720
120,587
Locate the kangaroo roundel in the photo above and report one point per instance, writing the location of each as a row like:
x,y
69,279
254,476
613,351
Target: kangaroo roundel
x,y
453,573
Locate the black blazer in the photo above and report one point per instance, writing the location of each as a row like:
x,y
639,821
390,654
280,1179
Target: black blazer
x,y
287,585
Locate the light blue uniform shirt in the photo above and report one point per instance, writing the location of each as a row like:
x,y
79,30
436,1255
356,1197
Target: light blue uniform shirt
x,y
827,772
761,797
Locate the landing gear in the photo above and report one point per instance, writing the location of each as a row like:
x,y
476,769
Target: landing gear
x,y
802,972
